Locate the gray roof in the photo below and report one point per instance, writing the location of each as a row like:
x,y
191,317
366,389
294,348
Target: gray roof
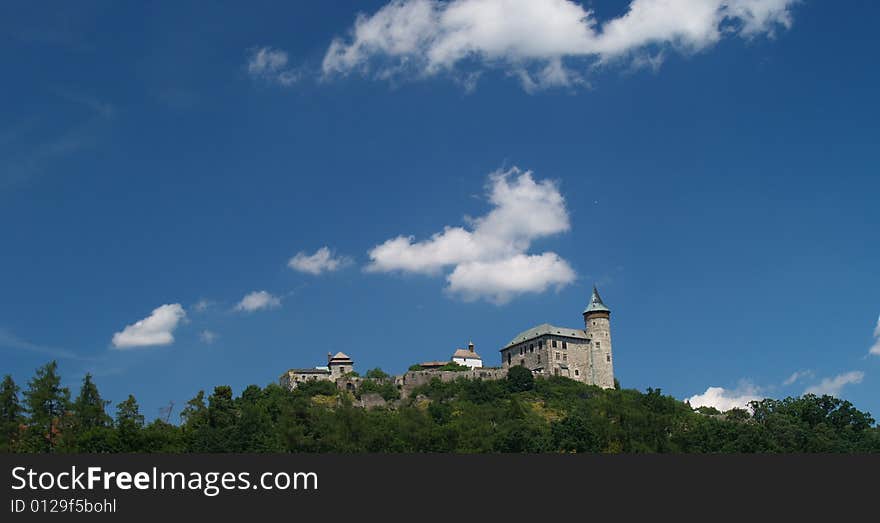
x,y
546,328
596,304
309,371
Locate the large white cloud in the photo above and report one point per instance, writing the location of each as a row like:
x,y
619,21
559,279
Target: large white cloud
x,y
833,386
155,329
321,261
501,280
531,38
489,257
258,300
726,399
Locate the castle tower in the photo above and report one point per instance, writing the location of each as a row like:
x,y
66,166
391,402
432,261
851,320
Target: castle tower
x,y
597,322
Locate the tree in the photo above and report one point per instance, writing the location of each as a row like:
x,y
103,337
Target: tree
x,y
89,408
10,414
520,379
129,424
377,374
47,404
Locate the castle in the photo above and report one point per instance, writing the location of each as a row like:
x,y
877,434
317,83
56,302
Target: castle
x,y
580,354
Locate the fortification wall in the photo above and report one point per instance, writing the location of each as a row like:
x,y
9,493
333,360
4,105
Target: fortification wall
x,y
416,378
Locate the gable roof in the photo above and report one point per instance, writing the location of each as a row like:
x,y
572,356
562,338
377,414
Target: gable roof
x,y
464,353
339,356
544,329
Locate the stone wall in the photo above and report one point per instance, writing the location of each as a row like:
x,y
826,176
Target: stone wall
x,y
416,378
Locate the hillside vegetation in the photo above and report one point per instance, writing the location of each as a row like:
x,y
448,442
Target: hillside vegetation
x,y
519,414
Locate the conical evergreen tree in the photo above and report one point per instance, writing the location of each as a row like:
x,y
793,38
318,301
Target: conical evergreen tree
x,y
47,404
89,408
10,414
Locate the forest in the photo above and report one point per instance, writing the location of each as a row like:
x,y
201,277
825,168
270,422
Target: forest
x,y
519,414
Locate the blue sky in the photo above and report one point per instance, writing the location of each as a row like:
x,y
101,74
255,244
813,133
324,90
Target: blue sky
x,y
713,169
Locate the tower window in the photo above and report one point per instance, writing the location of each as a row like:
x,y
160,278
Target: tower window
x,y
577,372
598,344
608,358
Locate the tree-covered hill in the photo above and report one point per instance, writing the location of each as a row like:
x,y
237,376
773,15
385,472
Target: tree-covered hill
x,y
519,414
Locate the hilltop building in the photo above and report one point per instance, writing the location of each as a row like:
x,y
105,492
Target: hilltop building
x,y
580,354
468,357
338,365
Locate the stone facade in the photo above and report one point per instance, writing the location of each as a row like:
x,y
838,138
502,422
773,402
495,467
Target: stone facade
x,y
417,378
580,354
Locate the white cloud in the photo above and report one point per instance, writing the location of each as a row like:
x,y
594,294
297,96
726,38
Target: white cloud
x,y
724,399
797,376
876,348
207,336
270,65
489,258
501,280
532,38
258,300
202,305
156,329
833,386
321,261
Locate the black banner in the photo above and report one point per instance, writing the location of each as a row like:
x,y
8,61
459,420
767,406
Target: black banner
x,y
425,487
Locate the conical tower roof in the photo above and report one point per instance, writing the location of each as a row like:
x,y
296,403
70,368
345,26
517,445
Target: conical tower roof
x,y
596,304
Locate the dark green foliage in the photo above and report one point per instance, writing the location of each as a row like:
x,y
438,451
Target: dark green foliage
x,y
519,414
10,414
47,404
415,367
454,367
377,374
385,389
520,379
129,425
89,410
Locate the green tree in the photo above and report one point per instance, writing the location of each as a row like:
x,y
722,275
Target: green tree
x,y
520,379
10,414
47,404
89,409
377,374
129,425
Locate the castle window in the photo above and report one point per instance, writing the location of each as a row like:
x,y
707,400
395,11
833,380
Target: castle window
x,y
557,356
539,357
531,347
564,345
508,358
540,344
608,358
565,357
598,344
577,372
522,363
553,343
